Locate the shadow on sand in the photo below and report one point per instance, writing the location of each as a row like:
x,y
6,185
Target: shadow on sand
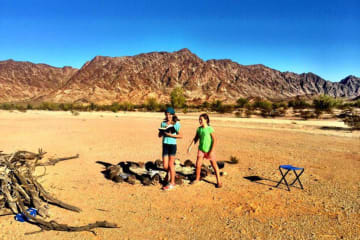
x,y
265,181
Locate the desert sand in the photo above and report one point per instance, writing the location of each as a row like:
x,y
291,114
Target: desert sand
x,y
327,208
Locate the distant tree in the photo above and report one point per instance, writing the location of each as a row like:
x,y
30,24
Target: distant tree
x,y
241,102
205,105
298,103
324,103
151,104
216,105
177,97
357,103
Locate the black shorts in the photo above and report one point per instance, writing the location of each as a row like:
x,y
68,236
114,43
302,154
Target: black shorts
x,y
169,149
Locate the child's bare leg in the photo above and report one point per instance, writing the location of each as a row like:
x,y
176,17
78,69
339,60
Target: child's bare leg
x,y
216,169
172,169
166,168
198,168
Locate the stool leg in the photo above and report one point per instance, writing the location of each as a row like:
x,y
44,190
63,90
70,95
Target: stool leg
x,y
298,178
283,178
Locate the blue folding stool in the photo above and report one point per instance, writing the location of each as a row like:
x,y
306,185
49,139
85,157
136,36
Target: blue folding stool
x,y
289,168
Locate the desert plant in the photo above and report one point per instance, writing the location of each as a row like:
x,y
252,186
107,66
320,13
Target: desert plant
x,y
264,106
205,105
356,103
306,114
151,104
177,97
240,103
126,106
352,120
298,103
324,103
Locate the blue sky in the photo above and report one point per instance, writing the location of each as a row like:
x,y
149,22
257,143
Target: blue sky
x,y
322,37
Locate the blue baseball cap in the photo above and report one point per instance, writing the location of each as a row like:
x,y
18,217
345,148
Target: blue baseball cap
x,y
170,110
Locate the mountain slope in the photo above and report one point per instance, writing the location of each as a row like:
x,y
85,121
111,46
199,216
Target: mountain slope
x,y
155,74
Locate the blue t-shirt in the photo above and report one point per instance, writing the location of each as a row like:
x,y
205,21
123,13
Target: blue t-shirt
x,y
170,140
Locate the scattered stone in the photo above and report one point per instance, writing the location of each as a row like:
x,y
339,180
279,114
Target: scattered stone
x,y
223,173
177,162
189,163
159,163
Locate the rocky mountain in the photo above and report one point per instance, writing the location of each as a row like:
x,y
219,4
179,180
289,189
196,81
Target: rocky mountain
x,y
109,79
24,80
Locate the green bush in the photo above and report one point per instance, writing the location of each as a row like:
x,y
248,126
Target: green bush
x,y
264,106
216,105
298,103
177,97
353,121
205,105
151,104
307,114
240,103
324,103
356,103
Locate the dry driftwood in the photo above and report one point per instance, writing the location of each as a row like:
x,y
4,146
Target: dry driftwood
x,y
20,189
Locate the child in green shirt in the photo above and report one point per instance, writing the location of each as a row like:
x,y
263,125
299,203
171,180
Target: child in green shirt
x,y
205,133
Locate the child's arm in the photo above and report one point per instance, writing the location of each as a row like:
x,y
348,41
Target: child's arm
x,y
213,142
178,135
195,139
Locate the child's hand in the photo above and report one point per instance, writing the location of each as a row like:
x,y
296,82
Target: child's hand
x,y
167,134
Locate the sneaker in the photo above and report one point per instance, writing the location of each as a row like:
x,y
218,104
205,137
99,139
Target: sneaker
x,y
168,187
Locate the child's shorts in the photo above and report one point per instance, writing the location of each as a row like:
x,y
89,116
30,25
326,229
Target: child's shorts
x,y
206,155
169,149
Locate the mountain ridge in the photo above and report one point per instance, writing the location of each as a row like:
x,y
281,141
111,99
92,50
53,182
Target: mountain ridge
x,y
135,78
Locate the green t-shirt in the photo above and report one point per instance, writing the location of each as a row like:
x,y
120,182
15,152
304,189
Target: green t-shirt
x,y
170,140
205,138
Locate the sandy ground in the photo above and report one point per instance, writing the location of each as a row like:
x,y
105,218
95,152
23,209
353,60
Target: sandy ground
x,y
328,207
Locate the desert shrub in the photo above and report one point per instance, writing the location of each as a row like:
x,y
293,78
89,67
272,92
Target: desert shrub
x,y
278,105
7,106
177,97
240,103
50,106
352,120
126,106
324,103
216,105
356,103
66,106
264,106
278,112
92,107
151,104
249,112
205,105
226,108
29,106
307,114
162,107
298,103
